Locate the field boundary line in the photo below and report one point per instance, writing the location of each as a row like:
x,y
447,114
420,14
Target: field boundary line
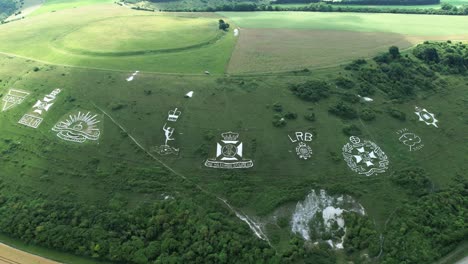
x,y
103,69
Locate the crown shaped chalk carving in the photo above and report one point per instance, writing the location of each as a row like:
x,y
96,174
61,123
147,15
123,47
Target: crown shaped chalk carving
x,y
174,115
230,136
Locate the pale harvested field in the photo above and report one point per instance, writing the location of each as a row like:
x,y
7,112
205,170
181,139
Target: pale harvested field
x,y
275,50
9,255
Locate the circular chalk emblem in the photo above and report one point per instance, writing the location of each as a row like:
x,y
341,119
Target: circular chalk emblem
x,y
303,151
364,157
229,150
78,128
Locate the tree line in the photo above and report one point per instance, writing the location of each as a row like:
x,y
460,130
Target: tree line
x,y
363,2
7,7
446,9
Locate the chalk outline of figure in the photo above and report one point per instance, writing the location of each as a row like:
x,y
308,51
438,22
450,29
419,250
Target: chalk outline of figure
x,y
168,133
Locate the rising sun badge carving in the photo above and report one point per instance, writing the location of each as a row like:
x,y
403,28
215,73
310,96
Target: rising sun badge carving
x,y
78,128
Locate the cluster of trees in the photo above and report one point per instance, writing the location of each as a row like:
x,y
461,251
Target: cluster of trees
x,y
312,90
395,113
400,77
361,234
444,57
352,130
223,25
279,119
413,180
343,110
427,228
7,7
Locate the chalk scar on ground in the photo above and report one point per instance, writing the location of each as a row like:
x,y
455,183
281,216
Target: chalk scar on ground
x,y
12,255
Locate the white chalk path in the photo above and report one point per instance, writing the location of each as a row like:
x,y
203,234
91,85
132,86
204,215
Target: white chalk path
x,y
252,225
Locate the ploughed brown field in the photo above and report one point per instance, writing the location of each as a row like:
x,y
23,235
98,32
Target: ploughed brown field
x,y
275,50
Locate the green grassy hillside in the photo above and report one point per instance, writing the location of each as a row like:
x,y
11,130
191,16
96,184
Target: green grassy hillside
x,y
104,186
133,114
118,38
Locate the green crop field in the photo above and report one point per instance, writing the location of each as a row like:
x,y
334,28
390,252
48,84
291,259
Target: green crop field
x,y
113,193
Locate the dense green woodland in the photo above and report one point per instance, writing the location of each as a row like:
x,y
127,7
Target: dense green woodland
x,y
324,7
313,6
7,7
195,227
366,2
421,231
428,228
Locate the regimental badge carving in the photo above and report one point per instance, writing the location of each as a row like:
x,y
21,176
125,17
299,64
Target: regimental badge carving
x,y
173,115
364,157
78,128
303,150
13,98
30,121
34,118
166,149
409,139
229,154
426,117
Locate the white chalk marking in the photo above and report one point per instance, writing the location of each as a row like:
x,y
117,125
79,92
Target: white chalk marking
x,y
78,128
34,119
30,121
364,158
229,154
426,117
173,115
13,98
303,150
131,77
411,140
189,94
